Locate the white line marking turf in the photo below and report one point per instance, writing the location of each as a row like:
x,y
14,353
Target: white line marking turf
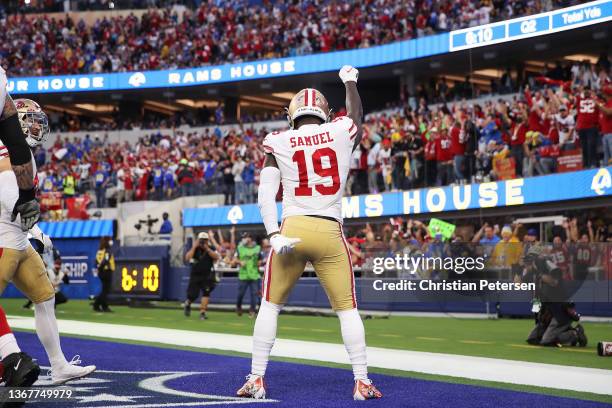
x,y
582,379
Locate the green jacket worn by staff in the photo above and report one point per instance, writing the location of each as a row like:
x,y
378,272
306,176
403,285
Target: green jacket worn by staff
x,y
249,257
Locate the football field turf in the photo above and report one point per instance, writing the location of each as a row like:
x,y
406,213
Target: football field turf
x,y
502,339
136,376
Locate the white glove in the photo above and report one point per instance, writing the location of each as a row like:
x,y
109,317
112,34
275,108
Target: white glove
x,y
41,237
348,74
282,244
47,243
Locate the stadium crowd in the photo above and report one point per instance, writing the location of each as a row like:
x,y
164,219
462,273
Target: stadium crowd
x,y
505,239
557,126
239,30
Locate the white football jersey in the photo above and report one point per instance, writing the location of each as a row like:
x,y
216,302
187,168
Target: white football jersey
x,y
314,164
11,235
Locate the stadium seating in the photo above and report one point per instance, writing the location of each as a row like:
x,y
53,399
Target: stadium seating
x,y
495,137
237,31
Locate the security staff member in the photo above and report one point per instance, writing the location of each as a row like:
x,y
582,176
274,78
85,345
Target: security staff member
x,y
202,257
105,262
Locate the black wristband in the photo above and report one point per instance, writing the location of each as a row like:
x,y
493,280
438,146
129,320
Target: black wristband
x,y
27,195
273,234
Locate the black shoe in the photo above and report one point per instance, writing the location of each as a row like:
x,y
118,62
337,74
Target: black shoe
x,y
19,370
107,310
203,316
187,309
582,338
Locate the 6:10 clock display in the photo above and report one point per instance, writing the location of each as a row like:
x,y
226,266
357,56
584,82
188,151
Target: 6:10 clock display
x,y
138,278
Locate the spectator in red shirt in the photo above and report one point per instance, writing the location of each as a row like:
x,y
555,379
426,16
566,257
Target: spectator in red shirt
x,y
430,158
517,141
605,123
458,149
444,158
587,127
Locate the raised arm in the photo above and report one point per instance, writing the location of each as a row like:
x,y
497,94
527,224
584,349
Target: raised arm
x,y
354,108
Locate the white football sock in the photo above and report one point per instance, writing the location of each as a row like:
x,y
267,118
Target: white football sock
x,y
353,335
264,335
48,334
8,345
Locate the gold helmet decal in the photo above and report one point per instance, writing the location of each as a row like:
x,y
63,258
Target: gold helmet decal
x,y
308,102
33,120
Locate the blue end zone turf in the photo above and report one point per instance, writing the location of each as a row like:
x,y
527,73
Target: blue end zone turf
x,y
134,376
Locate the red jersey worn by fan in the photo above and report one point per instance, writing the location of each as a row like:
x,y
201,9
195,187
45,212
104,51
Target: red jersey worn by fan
x,y
587,113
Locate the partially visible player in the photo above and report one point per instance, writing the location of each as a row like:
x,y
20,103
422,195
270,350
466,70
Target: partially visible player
x,y
12,137
312,161
19,262
17,368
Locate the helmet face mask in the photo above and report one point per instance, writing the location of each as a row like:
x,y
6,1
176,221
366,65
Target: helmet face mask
x,y
33,120
308,102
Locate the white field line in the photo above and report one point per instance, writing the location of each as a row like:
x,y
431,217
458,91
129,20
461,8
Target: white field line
x,y
582,379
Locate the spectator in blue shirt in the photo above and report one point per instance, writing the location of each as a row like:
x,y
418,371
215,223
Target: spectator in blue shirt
x,y
248,177
87,143
169,184
491,132
166,227
158,182
101,181
49,182
487,237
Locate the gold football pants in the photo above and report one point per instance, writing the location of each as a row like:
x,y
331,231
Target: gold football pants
x,y
324,246
27,271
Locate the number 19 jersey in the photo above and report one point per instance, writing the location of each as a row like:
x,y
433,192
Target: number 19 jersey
x,y
314,164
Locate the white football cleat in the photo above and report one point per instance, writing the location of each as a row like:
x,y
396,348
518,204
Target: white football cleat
x,y
253,388
71,371
364,389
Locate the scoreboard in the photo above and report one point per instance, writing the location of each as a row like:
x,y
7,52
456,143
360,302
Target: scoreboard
x,y
531,26
138,278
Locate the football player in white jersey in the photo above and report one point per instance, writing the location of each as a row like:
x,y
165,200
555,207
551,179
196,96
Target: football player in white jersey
x,y
19,262
11,136
311,160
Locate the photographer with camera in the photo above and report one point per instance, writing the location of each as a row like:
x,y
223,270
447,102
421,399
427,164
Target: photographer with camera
x,y
555,314
202,257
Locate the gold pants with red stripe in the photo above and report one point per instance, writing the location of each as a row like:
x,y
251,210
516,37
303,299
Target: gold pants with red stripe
x,y
27,271
324,246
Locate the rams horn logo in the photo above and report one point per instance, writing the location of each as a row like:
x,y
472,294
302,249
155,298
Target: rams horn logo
x,y
137,79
